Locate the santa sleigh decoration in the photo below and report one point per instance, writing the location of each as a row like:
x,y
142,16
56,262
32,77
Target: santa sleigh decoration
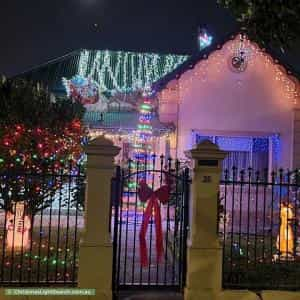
x,y
83,90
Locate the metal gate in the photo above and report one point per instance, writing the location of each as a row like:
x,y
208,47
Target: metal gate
x,y
150,225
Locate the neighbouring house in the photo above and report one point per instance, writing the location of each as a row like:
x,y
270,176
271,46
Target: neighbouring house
x,y
238,96
109,84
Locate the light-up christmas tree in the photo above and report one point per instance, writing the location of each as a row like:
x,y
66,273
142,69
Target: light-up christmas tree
x,y
143,143
143,138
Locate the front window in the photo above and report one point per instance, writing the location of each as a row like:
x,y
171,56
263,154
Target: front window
x,y
245,151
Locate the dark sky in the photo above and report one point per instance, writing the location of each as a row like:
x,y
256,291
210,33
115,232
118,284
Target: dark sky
x,y
35,31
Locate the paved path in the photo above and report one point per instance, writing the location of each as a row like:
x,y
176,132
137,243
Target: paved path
x,y
131,272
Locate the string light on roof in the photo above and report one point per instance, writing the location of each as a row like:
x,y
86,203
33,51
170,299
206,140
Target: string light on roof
x,y
257,59
126,71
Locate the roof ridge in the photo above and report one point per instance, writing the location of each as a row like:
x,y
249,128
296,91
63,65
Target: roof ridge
x,y
49,62
78,51
140,52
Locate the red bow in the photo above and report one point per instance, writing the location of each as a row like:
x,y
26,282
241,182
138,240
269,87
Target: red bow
x,y
146,193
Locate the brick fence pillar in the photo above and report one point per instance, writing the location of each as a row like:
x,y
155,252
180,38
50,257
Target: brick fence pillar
x,y
95,253
204,263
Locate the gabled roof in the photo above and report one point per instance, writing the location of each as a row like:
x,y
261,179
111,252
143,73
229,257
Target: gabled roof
x,y
206,52
112,70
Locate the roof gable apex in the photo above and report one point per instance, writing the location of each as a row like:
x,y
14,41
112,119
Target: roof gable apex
x,y
207,52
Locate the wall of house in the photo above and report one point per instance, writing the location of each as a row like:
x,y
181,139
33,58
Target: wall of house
x,y
168,103
296,137
259,101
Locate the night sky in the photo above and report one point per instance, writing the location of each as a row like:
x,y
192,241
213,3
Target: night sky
x,y
36,31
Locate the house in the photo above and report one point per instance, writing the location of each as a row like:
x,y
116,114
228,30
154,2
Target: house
x,y
240,97
234,93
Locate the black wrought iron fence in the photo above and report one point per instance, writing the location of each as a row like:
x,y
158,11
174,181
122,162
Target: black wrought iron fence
x,y
41,221
258,224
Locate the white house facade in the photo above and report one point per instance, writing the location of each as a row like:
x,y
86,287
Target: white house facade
x,y
249,108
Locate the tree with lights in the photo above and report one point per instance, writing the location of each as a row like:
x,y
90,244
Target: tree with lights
x,y
144,134
143,138
275,23
39,135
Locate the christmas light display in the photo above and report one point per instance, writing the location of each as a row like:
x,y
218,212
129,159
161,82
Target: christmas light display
x,y
285,238
81,89
212,68
25,152
141,140
144,135
24,148
125,71
240,143
41,145
59,261
204,39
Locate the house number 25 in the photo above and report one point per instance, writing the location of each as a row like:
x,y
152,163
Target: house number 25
x,y
206,179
